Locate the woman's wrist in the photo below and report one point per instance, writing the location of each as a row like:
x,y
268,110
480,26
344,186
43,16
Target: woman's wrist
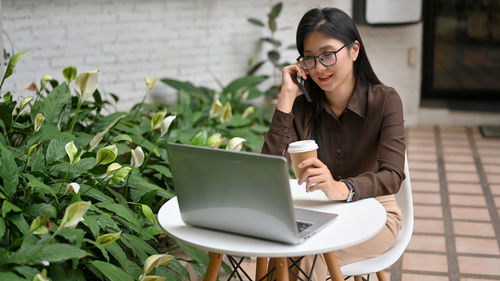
x,y
285,101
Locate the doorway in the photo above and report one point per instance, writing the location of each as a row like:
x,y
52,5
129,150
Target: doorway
x,y
461,59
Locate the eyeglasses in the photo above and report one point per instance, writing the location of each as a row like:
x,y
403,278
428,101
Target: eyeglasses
x,y
326,59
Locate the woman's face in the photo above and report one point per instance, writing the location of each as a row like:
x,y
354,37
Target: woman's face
x,y
330,78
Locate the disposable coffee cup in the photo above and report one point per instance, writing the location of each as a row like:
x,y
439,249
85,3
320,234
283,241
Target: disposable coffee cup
x,y
300,151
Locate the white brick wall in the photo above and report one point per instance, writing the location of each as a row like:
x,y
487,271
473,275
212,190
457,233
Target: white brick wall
x,y
193,40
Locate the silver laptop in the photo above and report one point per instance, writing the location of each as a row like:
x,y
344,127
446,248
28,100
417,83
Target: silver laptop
x,y
239,192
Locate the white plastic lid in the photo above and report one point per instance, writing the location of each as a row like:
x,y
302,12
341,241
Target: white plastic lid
x,y
302,146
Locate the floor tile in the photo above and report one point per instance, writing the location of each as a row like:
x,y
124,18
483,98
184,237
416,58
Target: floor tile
x,y
496,199
423,211
469,188
458,158
420,277
428,226
473,229
488,151
491,169
425,175
421,149
427,243
495,189
455,143
456,149
426,198
422,156
474,279
422,165
490,160
475,214
417,185
460,167
425,262
462,177
479,265
467,200
493,178
468,245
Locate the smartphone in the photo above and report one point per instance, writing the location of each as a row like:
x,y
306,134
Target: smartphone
x,y
303,88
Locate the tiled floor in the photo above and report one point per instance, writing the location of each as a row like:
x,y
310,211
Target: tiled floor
x,y
455,177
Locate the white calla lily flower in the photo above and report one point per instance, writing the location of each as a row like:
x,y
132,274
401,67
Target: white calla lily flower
x,y
74,214
137,157
86,84
165,124
73,187
235,144
38,121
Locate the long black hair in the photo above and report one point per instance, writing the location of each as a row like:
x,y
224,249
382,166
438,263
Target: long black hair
x,y
337,24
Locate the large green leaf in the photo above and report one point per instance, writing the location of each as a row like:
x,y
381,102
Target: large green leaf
x,y
40,209
94,193
6,109
111,271
53,104
11,276
40,187
55,252
55,150
125,263
275,12
2,228
46,132
9,171
255,21
194,253
181,85
121,211
10,67
27,271
243,82
20,222
138,246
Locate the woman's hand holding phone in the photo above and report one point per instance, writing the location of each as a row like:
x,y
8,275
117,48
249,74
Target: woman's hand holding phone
x,y
290,88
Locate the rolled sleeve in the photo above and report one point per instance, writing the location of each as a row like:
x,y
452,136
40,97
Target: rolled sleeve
x,y
281,133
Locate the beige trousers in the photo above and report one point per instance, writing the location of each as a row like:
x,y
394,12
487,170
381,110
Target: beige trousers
x,y
373,247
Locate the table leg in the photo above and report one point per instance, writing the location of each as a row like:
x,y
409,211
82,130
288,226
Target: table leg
x,y
281,269
333,266
261,269
213,267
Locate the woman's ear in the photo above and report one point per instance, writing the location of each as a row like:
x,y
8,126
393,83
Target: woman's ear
x,y
355,50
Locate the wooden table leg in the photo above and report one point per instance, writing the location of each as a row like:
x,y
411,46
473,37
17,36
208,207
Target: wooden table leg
x,y
213,267
333,266
261,269
281,269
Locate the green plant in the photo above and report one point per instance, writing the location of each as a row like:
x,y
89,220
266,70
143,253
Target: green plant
x,y
207,112
274,55
79,190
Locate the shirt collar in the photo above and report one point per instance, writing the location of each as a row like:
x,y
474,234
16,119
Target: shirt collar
x,y
357,103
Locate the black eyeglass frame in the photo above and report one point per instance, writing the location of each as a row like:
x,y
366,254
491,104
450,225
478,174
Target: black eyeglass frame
x,y
320,57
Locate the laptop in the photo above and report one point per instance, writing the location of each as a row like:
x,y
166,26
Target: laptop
x,y
239,192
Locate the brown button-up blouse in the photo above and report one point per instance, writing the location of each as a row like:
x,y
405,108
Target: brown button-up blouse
x,y
365,145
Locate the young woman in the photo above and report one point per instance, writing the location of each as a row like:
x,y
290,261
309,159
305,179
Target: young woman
x,y
355,119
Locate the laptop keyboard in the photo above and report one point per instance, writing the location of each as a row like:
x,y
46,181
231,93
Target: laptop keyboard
x,y
301,226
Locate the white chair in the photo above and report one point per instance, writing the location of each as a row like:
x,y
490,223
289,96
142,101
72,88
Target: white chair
x,y
378,264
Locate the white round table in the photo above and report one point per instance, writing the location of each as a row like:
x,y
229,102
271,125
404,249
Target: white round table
x,y
356,222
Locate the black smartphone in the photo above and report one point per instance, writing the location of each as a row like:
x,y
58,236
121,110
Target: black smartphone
x,y
303,88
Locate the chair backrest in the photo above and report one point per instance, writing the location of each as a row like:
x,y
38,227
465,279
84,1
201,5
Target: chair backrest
x,y
376,264
405,201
